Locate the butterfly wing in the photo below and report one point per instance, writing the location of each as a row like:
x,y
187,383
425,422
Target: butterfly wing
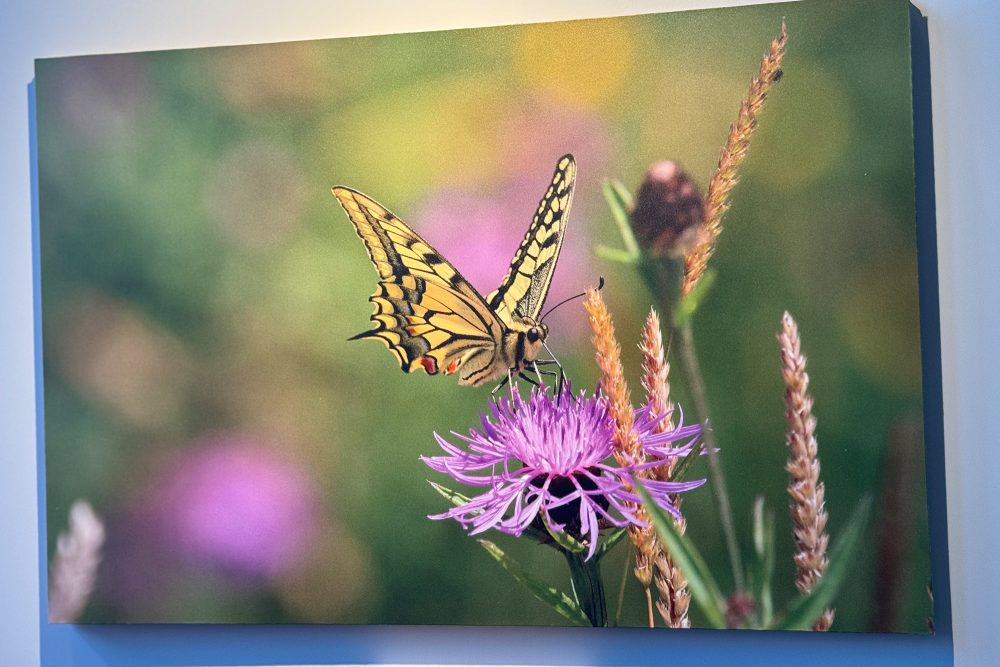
x,y
522,292
426,313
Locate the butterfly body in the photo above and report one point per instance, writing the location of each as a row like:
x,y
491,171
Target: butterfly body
x,y
432,318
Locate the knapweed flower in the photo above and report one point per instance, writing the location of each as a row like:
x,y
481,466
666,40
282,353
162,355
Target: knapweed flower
x,y
547,462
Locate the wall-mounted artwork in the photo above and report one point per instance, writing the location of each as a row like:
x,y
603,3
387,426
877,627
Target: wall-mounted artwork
x,y
608,322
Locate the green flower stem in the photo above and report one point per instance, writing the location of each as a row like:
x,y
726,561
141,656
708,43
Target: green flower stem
x,y
683,348
621,588
663,277
588,587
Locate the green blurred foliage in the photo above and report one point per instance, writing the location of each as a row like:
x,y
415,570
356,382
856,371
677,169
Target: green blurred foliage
x,y
197,277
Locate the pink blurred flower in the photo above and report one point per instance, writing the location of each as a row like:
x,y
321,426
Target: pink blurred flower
x,y
222,516
538,129
237,504
105,98
479,235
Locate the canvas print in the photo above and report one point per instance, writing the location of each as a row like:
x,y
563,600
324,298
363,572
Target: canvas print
x,y
608,322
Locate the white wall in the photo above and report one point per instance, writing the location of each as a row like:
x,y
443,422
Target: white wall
x,y
967,141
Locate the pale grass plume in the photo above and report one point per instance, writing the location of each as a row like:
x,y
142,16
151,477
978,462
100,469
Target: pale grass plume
x,y
626,445
655,371
671,586
804,486
735,151
73,571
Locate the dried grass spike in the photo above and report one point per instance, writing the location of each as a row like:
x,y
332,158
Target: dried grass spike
x,y
655,371
609,360
804,486
671,586
626,445
732,156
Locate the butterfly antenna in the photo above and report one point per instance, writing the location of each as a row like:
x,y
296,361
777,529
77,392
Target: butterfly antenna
x,y
600,286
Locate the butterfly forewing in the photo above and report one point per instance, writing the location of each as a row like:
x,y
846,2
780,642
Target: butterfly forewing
x,y
523,290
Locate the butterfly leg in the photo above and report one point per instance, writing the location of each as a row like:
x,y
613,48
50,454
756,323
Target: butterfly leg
x,y
528,379
541,371
500,385
538,374
562,373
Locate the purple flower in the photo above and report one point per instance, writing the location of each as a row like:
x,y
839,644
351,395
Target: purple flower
x,y
550,458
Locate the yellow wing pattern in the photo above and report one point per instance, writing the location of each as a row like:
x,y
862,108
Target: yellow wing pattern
x,y
522,292
426,313
430,317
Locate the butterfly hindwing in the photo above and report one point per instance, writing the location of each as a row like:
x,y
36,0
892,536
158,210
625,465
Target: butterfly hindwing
x,y
522,292
426,313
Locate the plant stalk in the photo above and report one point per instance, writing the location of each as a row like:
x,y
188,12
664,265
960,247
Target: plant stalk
x,y
685,351
588,587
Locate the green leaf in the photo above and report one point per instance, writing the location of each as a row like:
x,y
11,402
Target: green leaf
x,y
562,538
704,590
454,497
620,201
689,304
609,543
563,604
763,544
623,194
805,610
616,255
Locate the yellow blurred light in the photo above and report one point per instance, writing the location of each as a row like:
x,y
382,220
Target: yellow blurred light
x,y
880,316
409,139
578,61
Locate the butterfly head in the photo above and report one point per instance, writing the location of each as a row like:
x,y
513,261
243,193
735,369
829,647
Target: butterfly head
x,y
532,341
537,333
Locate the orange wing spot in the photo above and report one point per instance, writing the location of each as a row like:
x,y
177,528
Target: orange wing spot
x,y
451,368
430,365
415,322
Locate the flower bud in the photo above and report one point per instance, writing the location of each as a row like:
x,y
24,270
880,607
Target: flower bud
x,y
668,211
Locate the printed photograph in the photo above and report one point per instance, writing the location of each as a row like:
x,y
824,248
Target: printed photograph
x,y
607,322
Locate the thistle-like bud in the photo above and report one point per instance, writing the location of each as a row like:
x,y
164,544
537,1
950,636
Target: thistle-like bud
x,y
668,214
738,607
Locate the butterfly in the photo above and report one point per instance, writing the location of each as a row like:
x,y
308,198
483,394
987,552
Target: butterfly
x,y
432,318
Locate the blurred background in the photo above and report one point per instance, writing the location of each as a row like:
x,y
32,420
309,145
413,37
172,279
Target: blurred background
x,y
199,284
